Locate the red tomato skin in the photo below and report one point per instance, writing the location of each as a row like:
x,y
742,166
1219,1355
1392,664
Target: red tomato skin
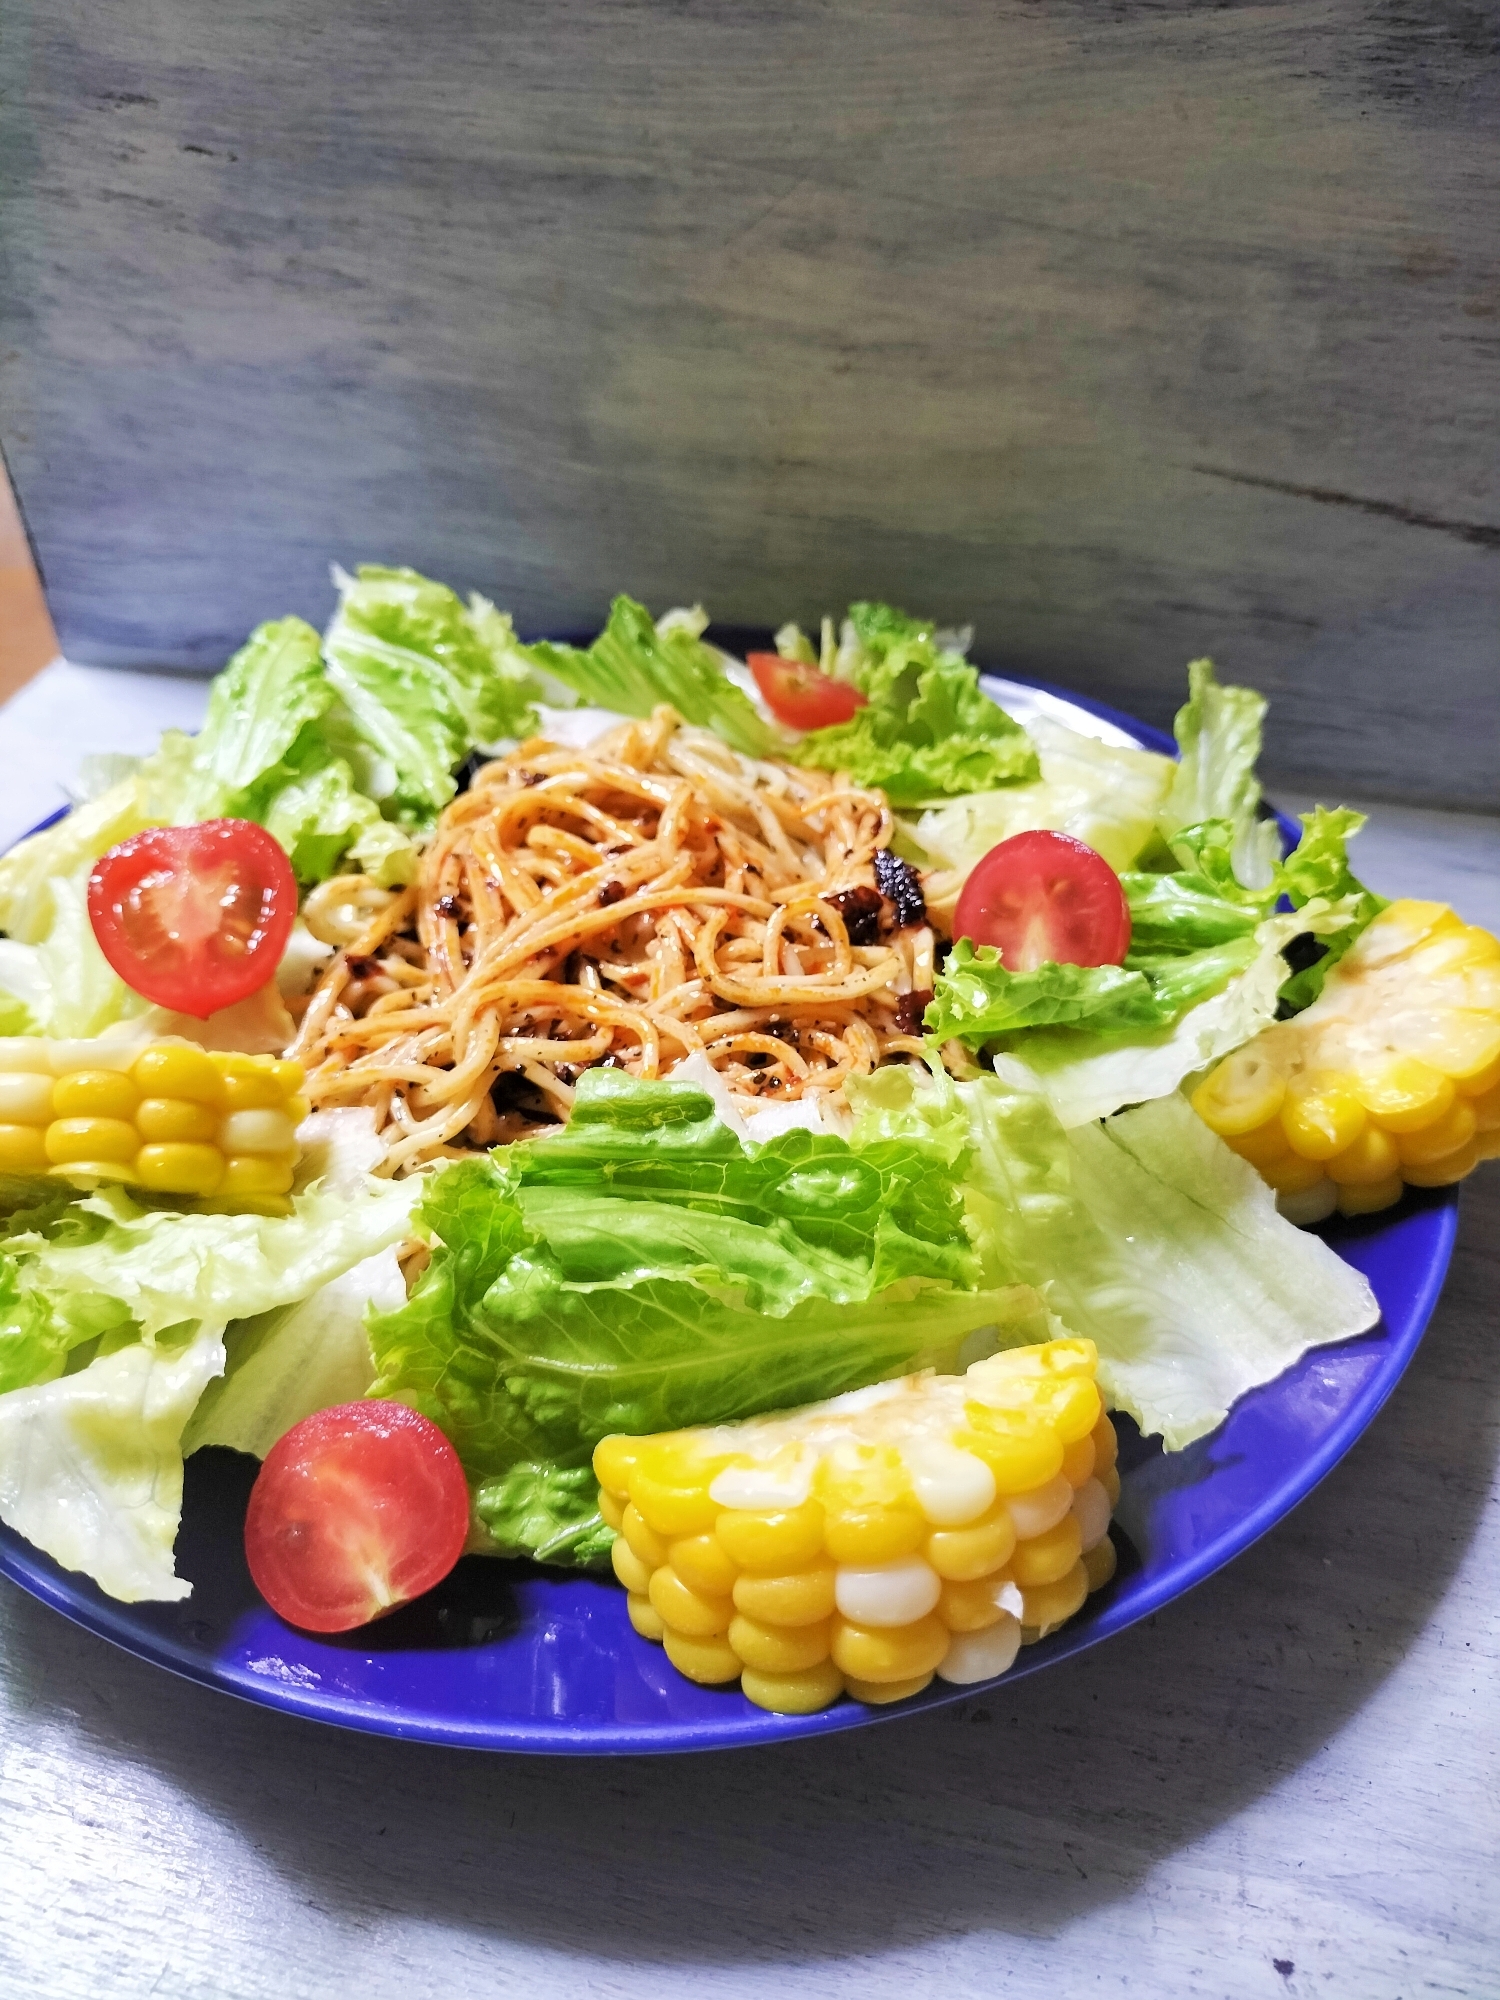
x,y
240,870
1043,896
803,697
362,1494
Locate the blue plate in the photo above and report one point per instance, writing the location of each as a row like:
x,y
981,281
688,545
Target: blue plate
x,y
504,1656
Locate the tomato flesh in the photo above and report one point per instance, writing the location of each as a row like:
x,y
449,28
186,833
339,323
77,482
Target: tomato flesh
x,y
803,697
195,917
355,1511
1044,898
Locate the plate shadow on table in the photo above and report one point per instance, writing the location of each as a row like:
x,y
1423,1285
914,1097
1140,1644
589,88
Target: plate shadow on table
x,y
1015,1811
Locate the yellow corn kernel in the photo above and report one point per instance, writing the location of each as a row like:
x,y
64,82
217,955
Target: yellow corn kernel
x,y
961,1554
1402,1093
645,1617
610,1509
1445,1135
882,1653
1444,1172
1321,1116
1020,1452
772,1543
709,1661
25,1098
971,1607
71,1141
179,1069
1049,1605
1370,1197
794,1694
628,1567
1242,1094
615,1459
94,1093
1046,1558
1262,1147
23,1150
1372,1158
878,1694
182,1169
253,1179
1293,1175
687,1610
1464,1044
1078,1460
290,1076
1110,1481
175,1120
801,1598
702,1564
1100,1563
254,1088
1483,1081
771,1649
642,1538
1487,1110
1073,1408
865,1535
671,1508
1106,1446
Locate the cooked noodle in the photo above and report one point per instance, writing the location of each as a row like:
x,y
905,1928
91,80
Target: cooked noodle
x,y
632,903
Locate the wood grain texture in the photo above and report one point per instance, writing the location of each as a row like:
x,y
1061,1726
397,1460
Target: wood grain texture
x,y
1129,333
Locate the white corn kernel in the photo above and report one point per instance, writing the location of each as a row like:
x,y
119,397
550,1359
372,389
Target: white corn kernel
x,y
25,1054
97,1054
1306,1206
952,1486
980,1656
1091,1510
765,1489
1042,1508
257,1132
887,1594
25,1097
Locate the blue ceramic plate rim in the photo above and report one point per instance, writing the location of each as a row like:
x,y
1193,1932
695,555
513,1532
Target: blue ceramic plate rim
x,y
129,1626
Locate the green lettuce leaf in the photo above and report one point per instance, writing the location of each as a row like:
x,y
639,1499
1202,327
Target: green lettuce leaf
x,y
643,1270
1146,1234
634,666
927,730
1100,793
258,705
1218,732
91,1463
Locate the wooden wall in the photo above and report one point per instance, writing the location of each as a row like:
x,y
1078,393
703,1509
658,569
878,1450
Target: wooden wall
x,y
1128,331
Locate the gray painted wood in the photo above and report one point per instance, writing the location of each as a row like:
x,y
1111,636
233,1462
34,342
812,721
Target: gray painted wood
x,y
1284,1787
1129,334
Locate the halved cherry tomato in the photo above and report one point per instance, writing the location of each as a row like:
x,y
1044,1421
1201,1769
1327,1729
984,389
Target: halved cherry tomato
x,y
195,917
1045,896
356,1510
802,697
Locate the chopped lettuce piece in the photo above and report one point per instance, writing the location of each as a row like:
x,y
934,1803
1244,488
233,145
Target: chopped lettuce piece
x,y
643,1270
927,730
1100,793
1146,1234
634,666
91,1463
258,705
1218,735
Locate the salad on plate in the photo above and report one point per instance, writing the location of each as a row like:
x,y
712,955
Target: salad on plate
x,y
741,1123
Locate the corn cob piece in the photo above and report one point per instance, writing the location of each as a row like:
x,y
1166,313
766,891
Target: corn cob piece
x,y
930,1525
1390,1079
170,1117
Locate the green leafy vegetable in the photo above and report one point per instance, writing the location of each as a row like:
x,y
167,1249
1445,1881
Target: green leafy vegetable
x,y
634,666
1218,735
642,1270
927,730
1146,1234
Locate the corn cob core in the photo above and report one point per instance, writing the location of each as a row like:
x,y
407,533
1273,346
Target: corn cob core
x,y
169,1117
925,1526
1391,1078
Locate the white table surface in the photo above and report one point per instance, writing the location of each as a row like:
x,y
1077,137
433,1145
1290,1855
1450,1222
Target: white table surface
x,y
1285,1785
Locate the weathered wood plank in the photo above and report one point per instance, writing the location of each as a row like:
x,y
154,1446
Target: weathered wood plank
x,y
1129,336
